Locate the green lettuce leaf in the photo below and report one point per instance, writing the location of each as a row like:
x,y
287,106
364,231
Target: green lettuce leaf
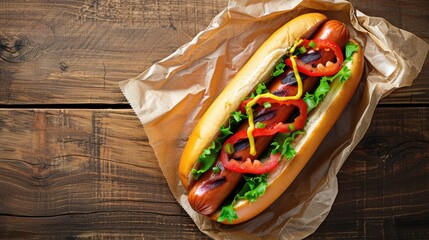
x,y
206,159
280,66
311,101
254,187
260,89
282,144
322,89
351,48
227,213
344,74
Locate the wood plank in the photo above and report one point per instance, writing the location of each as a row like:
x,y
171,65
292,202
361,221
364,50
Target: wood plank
x,y
92,173
82,173
81,49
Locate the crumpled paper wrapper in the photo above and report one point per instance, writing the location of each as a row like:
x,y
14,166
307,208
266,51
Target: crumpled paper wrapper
x,y
171,96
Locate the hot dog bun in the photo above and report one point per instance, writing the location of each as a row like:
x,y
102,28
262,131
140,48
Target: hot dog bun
x,y
257,69
320,121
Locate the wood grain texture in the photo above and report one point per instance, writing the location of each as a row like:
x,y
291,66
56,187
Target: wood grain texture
x,y
82,173
55,52
92,174
383,191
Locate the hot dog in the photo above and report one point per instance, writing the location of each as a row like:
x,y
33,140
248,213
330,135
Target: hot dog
x,y
236,160
211,190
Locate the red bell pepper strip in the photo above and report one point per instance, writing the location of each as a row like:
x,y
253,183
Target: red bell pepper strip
x,y
256,166
319,70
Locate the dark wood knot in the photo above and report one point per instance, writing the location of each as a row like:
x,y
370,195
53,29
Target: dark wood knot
x,y
12,48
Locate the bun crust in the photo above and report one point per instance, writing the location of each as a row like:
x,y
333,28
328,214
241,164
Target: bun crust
x,y
259,67
320,121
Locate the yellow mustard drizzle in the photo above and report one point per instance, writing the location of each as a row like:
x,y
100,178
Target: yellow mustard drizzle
x,y
249,105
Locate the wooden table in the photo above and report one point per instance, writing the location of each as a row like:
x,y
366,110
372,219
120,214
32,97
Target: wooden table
x,y
75,161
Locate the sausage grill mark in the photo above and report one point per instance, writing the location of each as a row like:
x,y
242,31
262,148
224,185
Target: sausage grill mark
x,y
290,78
213,183
241,144
310,57
306,58
264,115
280,92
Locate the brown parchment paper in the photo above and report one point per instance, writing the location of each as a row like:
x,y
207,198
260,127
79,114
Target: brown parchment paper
x,y
171,96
